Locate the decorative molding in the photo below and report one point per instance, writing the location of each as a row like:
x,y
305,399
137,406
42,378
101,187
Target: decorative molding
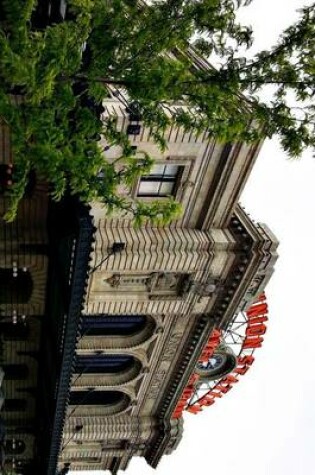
x,y
172,346
156,382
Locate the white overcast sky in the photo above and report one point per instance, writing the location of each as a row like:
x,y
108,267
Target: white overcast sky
x,y
266,424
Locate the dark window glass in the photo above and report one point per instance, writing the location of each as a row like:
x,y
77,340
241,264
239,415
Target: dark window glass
x,y
15,287
113,464
102,325
14,331
15,405
133,129
103,363
91,398
34,249
162,181
15,371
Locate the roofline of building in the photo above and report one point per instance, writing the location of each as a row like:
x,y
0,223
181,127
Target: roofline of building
x,y
78,288
218,316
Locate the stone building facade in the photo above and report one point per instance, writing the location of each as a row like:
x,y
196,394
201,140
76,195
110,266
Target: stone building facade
x,y
102,323
155,294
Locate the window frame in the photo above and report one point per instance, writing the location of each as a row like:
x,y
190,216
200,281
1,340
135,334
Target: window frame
x,y
185,165
160,180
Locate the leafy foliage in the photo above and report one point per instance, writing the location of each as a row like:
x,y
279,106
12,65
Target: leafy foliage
x,y
60,68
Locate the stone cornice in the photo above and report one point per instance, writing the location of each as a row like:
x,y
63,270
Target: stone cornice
x,y
219,312
176,384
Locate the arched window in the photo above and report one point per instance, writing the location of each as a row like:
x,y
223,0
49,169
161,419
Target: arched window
x,y
15,371
95,398
15,287
117,325
103,363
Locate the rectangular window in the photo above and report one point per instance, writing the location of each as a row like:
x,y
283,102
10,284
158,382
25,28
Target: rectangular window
x,y
133,129
162,181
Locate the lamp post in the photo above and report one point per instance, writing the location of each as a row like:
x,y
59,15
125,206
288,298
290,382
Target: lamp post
x,y
115,249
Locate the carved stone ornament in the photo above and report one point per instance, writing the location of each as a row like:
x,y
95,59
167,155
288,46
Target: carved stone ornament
x,y
113,280
155,283
205,289
162,281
